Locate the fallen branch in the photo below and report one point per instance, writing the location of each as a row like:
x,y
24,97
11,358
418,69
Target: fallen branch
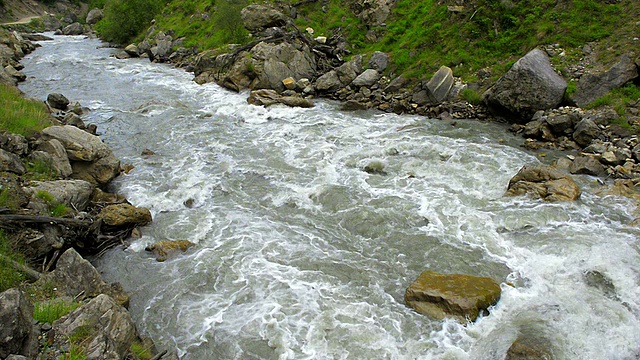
x,y
32,274
37,219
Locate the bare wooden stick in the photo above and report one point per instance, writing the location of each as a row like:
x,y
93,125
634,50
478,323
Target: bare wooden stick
x,y
37,219
159,355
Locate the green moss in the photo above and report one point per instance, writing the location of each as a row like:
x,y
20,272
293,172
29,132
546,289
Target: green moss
x,y
21,115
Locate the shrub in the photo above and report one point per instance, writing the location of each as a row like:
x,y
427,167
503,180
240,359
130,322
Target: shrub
x,y
228,22
125,19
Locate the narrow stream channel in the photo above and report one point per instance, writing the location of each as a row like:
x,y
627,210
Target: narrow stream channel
x,y
300,254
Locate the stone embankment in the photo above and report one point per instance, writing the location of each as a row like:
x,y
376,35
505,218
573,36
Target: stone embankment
x,y
54,220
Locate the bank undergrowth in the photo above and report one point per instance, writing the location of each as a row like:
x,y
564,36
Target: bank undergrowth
x,y
20,115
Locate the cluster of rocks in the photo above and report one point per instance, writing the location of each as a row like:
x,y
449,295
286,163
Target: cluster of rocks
x,y
13,47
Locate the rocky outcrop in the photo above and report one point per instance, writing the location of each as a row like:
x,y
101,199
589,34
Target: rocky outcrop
x,y
162,250
17,335
530,85
545,182
124,214
462,297
106,328
94,16
91,159
77,278
592,86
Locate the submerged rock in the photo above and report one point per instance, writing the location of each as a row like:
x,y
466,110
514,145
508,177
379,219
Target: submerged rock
x,y
462,297
548,183
162,250
523,349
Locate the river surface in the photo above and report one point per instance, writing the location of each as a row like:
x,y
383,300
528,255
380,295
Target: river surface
x,y
300,254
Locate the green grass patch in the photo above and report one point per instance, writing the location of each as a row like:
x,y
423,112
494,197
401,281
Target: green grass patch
x,y
56,209
41,170
50,311
620,99
140,352
9,276
21,115
471,96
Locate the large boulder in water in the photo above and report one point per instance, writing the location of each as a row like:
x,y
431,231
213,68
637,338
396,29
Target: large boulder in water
x,y
124,215
256,17
452,295
162,250
17,334
546,182
530,85
595,85
73,29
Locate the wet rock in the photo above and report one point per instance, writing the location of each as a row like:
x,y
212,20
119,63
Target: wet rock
x,y
546,182
125,214
378,61
289,83
94,16
17,334
462,297
11,71
524,349
101,197
60,160
76,277
57,101
615,156
107,328
268,97
11,162
586,165
593,86
276,62
74,120
73,29
530,85
598,280
537,129
375,166
75,194
256,18
162,250
585,132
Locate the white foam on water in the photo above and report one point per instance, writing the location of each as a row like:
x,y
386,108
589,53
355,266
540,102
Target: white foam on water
x,y
301,254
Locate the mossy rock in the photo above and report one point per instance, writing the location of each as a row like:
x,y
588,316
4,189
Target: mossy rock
x,y
462,297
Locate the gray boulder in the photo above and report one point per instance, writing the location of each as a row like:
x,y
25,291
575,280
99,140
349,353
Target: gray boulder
x,y
94,16
279,62
11,71
79,144
440,84
593,86
11,162
17,334
329,82
132,50
350,70
58,101
73,29
367,78
256,18
586,130
14,143
559,123
586,165
75,276
51,23
530,85
108,327
99,172
378,61
60,160
75,194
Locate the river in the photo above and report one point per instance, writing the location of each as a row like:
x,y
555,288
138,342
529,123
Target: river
x,y
300,254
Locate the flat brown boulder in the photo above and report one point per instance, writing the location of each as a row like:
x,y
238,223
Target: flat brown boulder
x,y
162,250
546,182
125,214
462,297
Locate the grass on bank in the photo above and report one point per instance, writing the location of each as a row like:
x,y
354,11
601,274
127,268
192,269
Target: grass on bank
x,y
20,115
9,276
46,312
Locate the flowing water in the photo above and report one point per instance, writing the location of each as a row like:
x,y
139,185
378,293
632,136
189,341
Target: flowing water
x,y
300,254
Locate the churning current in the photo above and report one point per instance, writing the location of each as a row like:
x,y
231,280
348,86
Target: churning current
x,y
300,254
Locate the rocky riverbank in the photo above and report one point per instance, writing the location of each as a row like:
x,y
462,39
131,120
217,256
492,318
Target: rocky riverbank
x,y
55,210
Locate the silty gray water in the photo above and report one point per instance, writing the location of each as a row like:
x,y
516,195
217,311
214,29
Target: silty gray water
x,y
301,254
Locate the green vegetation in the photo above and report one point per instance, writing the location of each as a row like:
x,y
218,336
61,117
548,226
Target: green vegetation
x,y
56,209
9,276
19,114
204,24
125,19
471,96
50,311
41,170
620,99
140,352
